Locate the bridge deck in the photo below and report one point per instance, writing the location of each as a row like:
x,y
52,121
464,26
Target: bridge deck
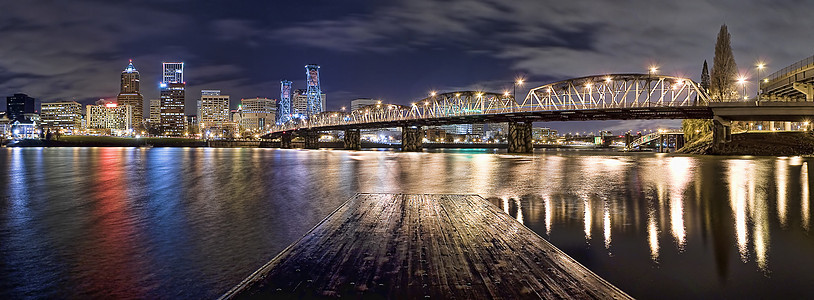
x,y
412,246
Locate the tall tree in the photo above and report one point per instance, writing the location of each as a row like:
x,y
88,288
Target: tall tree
x,y
705,77
724,69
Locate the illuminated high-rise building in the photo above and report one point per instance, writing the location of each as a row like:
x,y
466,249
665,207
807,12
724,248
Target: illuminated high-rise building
x,y
130,94
313,92
173,120
64,116
155,112
18,106
109,118
173,72
213,109
284,106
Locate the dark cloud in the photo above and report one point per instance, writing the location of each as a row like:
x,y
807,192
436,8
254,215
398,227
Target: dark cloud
x,y
395,50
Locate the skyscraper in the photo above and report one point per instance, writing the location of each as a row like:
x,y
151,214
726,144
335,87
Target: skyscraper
x,y
284,106
18,106
313,92
213,109
130,94
173,120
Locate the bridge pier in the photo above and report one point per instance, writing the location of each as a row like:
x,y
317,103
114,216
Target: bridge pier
x,y
412,138
285,141
679,141
628,140
311,139
519,138
353,139
805,88
721,132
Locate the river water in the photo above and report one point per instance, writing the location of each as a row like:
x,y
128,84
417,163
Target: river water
x,y
191,223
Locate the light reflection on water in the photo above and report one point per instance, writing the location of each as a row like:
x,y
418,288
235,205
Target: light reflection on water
x,y
190,223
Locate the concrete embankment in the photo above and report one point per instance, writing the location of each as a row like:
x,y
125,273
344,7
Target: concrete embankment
x,y
756,143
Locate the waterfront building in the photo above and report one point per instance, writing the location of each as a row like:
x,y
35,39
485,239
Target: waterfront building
x,y
236,114
544,134
155,111
464,129
18,105
172,118
299,103
64,116
213,109
5,125
361,102
257,113
107,117
130,94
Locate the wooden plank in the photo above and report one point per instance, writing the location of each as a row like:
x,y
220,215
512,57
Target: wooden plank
x,y
417,246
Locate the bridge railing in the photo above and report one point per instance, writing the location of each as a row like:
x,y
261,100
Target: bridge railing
x,y
616,91
592,92
793,67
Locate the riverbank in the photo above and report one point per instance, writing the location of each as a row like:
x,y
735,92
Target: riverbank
x,y
110,141
756,143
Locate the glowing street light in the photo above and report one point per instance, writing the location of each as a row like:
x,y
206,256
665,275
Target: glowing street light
x,y
653,69
760,66
433,93
742,82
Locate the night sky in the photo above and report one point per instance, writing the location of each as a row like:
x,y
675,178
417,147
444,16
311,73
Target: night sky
x,y
394,50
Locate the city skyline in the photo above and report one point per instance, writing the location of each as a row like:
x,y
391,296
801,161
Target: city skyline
x,y
396,52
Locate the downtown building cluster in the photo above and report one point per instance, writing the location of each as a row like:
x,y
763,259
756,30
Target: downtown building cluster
x,y
130,114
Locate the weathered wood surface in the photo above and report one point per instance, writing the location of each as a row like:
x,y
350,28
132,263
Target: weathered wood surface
x,y
396,246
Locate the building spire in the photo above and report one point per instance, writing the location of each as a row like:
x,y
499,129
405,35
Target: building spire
x,y
130,68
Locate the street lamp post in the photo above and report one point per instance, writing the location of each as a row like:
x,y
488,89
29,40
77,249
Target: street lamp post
x,y
742,81
760,67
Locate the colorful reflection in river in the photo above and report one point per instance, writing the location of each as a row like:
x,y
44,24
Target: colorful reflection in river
x,y
681,202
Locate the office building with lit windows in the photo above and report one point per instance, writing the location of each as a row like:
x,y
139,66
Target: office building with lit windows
x,y
130,94
213,109
19,106
155,111
299,103
258,113
173,121
107,117
64,117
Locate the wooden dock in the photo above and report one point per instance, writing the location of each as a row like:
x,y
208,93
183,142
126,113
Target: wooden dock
x,y
397,246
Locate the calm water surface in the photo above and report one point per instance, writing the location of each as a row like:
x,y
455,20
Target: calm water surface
x,y
191,223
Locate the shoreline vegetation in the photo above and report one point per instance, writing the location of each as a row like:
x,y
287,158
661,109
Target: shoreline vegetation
x,y
778,143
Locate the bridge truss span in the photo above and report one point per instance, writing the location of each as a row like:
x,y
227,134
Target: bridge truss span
x,y
613,91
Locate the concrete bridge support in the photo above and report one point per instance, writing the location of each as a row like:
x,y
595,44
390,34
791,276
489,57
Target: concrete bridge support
x,y
412,138
805,88
285,141
311,139
519,138
721,132
353,139
628,140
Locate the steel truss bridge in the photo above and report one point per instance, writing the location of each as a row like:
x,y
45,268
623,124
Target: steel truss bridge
x,y
601,97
